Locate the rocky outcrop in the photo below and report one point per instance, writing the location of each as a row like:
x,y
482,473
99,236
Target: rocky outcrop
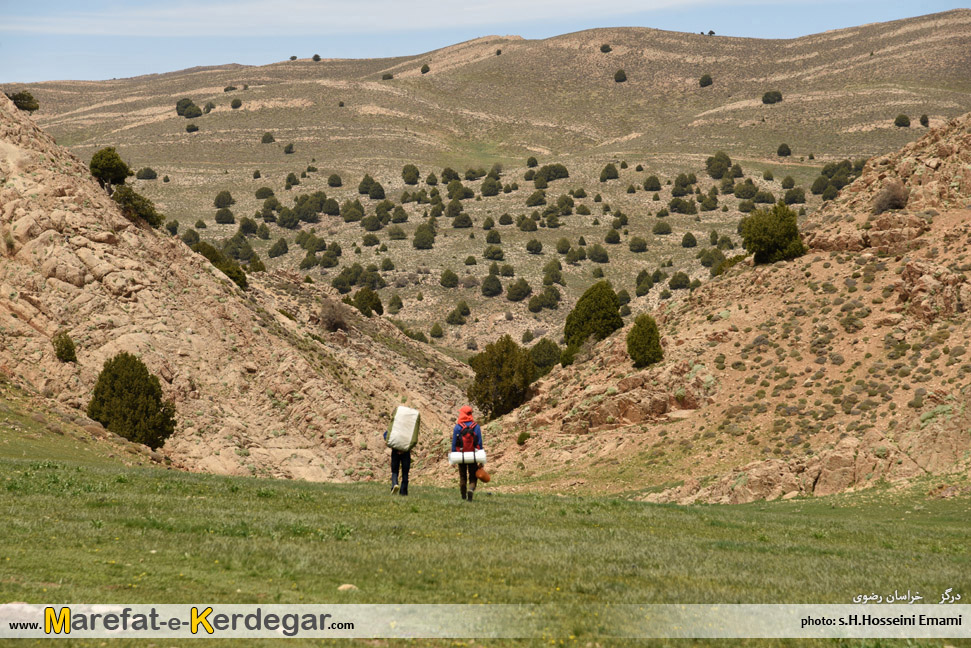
x,y
936,170
258,388
930,292
937,446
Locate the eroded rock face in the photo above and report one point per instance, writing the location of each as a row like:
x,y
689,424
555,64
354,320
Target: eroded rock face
x,y
936,171
253,396
931,292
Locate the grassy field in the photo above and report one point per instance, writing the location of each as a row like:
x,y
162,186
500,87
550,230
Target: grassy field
x,y
80,526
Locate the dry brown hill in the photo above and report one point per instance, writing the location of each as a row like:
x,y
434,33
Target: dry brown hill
x,y
259,388
554,98
837,370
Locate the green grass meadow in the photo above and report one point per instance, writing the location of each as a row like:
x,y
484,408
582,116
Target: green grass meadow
x,y
80,526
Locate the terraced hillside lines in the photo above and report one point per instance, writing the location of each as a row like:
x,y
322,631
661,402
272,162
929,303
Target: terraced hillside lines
x,y
261,386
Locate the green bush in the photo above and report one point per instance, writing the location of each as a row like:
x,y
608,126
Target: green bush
x,y
146,173
449,279
316,58
717,166
902,121
127,400
267,138
173,227
108,167
503,372
924,121
679,281
23,100
190,237
652,183
705,80
278,249
436,330
534,247
795,196
425,69
409,173
596,315
491,286
181,105
612,237
545,355
661,228
620,76
605,48
424,237
598,254
771,97
518,290
135,206
235,103
64,347
644,342
225,216
334,180
609,172
688,240
387,76
783,150
772,234
637,244
368,302
263,193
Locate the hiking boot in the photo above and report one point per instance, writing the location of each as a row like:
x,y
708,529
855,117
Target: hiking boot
x,y
394,489
470,495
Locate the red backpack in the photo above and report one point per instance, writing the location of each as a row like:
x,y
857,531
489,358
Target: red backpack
x,y
467,437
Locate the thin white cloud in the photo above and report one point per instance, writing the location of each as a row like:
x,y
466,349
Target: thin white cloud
x,y
283,17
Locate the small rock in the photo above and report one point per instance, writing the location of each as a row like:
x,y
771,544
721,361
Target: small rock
x,y
250,367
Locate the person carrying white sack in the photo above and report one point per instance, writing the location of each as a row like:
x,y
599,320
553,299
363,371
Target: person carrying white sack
x,y
467,437
401,438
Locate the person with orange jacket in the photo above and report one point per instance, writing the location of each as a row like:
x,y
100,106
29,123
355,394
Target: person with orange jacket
x,y
467,437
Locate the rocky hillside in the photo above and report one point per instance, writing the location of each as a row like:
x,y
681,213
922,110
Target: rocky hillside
x,y
259,387
835,371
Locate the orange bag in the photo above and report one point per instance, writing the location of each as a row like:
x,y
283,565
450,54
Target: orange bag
x,y
482,475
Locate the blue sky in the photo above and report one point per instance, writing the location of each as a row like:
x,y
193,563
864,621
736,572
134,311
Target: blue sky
x,y
98,39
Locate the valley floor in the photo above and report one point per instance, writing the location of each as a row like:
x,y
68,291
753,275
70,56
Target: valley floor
x,y
81,526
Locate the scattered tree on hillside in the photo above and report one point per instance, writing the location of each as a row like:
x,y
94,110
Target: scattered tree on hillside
x,y
620,76
902,121
23,100
596,315
425,68
503,372
127,400
784,150
134,206
644,342
771,97
705,80
108,167
772,234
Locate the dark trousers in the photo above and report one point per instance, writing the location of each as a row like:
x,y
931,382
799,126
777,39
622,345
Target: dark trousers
x,y
402,461
467,475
